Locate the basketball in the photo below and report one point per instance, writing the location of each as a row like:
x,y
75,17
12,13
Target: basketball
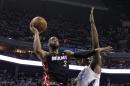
x,y
39,23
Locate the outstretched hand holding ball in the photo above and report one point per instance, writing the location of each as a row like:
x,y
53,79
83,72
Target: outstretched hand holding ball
x,y
38,24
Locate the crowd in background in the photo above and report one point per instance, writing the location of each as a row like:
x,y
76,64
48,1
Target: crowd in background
x,y
8,79
15,24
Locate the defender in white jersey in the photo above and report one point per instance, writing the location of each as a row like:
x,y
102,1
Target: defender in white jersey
x,y
90,75
87,77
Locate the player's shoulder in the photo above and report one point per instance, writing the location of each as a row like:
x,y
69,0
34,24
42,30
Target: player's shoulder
x,y
68,52
45,53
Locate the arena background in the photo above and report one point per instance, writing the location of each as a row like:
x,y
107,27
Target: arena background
x,y
69,21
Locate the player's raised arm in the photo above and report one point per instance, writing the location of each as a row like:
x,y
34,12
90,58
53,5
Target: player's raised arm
x,y
80,54
97,61
85,54
41,54
94,33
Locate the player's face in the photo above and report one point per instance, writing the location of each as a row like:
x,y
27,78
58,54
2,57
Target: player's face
x,y
53,42
89,60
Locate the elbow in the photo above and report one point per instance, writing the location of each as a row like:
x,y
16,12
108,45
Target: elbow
x,y
37,51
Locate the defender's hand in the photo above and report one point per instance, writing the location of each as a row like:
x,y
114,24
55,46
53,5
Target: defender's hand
x,y
91,18
104,49
92,9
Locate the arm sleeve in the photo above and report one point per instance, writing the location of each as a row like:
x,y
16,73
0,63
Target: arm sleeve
x,y
84,54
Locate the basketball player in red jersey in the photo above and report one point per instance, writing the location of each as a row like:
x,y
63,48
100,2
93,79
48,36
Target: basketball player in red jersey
x,y
90,75
54,62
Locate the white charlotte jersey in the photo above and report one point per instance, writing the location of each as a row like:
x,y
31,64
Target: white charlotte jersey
x,y
87,77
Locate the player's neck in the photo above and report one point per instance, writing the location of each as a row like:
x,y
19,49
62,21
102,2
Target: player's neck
x,y
53,51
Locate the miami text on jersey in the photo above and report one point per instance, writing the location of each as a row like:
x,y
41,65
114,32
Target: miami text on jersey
x,y
54,58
